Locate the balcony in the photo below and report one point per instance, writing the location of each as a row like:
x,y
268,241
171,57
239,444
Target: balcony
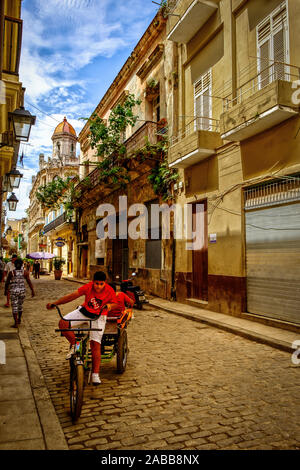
x,y
147,132
261,103
55,223
150,132
192,20
12,41
196,142
38,222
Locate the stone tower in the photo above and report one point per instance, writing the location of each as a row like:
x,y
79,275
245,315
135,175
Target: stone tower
x,y
64,143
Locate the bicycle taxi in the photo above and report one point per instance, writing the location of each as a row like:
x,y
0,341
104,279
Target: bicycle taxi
x,y
114,343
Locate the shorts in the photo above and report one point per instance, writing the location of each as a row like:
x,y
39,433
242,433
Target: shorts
x,y
80,319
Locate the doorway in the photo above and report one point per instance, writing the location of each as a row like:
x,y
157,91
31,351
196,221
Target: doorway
x,y
120,259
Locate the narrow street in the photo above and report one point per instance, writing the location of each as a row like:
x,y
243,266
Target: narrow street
x,y
186,386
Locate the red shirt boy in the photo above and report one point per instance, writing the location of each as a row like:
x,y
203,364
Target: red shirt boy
x,y
94,300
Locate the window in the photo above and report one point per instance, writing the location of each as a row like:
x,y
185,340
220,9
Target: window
x,y
272,46
203,102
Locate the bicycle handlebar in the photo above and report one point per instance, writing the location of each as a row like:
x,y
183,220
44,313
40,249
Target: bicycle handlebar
x,y
58,309
76,319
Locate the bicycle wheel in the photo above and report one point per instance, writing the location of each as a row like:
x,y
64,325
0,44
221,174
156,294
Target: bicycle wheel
x,y
122,352
76,389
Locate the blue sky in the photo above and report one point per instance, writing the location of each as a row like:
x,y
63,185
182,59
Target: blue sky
x,y
71,52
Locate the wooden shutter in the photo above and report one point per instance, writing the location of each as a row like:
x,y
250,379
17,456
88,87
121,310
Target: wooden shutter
x,y
264,54
272,45
279,55
202,101
198,110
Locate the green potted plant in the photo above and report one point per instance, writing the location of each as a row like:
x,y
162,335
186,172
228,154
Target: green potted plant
x,y
152,89
58,262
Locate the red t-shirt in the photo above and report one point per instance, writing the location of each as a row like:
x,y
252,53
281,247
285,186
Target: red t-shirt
x,y
121,299
94,301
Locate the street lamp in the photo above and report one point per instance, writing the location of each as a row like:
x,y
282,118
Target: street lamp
x,y
14,178
12,202
22,121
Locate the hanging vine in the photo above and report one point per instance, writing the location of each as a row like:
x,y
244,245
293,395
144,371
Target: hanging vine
x,y
57,192
108,139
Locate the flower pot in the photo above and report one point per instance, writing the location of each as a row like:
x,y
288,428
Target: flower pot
x,y
57,274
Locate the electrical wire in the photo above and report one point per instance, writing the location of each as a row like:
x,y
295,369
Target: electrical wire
x,y
43,112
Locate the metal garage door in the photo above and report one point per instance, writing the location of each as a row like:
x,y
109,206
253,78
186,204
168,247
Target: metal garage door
x,y
273,250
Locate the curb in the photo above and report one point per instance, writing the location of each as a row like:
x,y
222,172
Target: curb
x,y
248,334
52,432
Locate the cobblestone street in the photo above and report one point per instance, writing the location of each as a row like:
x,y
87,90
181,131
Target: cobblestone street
x,y
186,386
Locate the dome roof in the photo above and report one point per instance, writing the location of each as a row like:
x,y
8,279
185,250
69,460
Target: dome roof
x,y
65,127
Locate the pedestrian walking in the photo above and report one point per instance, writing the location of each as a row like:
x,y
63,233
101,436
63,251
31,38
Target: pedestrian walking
x,y
27,267
10,266
36,269
15,282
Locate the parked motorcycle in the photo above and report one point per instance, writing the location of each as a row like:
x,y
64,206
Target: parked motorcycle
x,y
134,292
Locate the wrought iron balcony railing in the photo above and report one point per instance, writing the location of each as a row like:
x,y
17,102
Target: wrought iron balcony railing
x,y
148,131
55,223
195,123
268,74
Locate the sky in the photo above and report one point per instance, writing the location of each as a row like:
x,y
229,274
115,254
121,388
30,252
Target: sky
x,y
71,52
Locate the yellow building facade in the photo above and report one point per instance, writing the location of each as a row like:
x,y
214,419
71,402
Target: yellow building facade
x,y
235,141
11,88
147,74
11,91
51,230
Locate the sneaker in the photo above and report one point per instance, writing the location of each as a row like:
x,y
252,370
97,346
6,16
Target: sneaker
x,y
96,379
71,352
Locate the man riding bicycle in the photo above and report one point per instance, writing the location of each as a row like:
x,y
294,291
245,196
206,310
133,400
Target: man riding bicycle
x,y
97,294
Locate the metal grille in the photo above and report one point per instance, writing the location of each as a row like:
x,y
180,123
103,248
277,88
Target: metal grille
x,y
278,192
55,223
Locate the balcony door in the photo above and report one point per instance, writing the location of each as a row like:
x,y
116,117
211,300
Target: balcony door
x,y
203,102
273,47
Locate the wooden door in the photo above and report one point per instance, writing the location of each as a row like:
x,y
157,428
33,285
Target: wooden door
x,y
200,256
120,258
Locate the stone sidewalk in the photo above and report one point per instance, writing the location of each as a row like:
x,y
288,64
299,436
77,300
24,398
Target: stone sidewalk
x,y
253,330
27,417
